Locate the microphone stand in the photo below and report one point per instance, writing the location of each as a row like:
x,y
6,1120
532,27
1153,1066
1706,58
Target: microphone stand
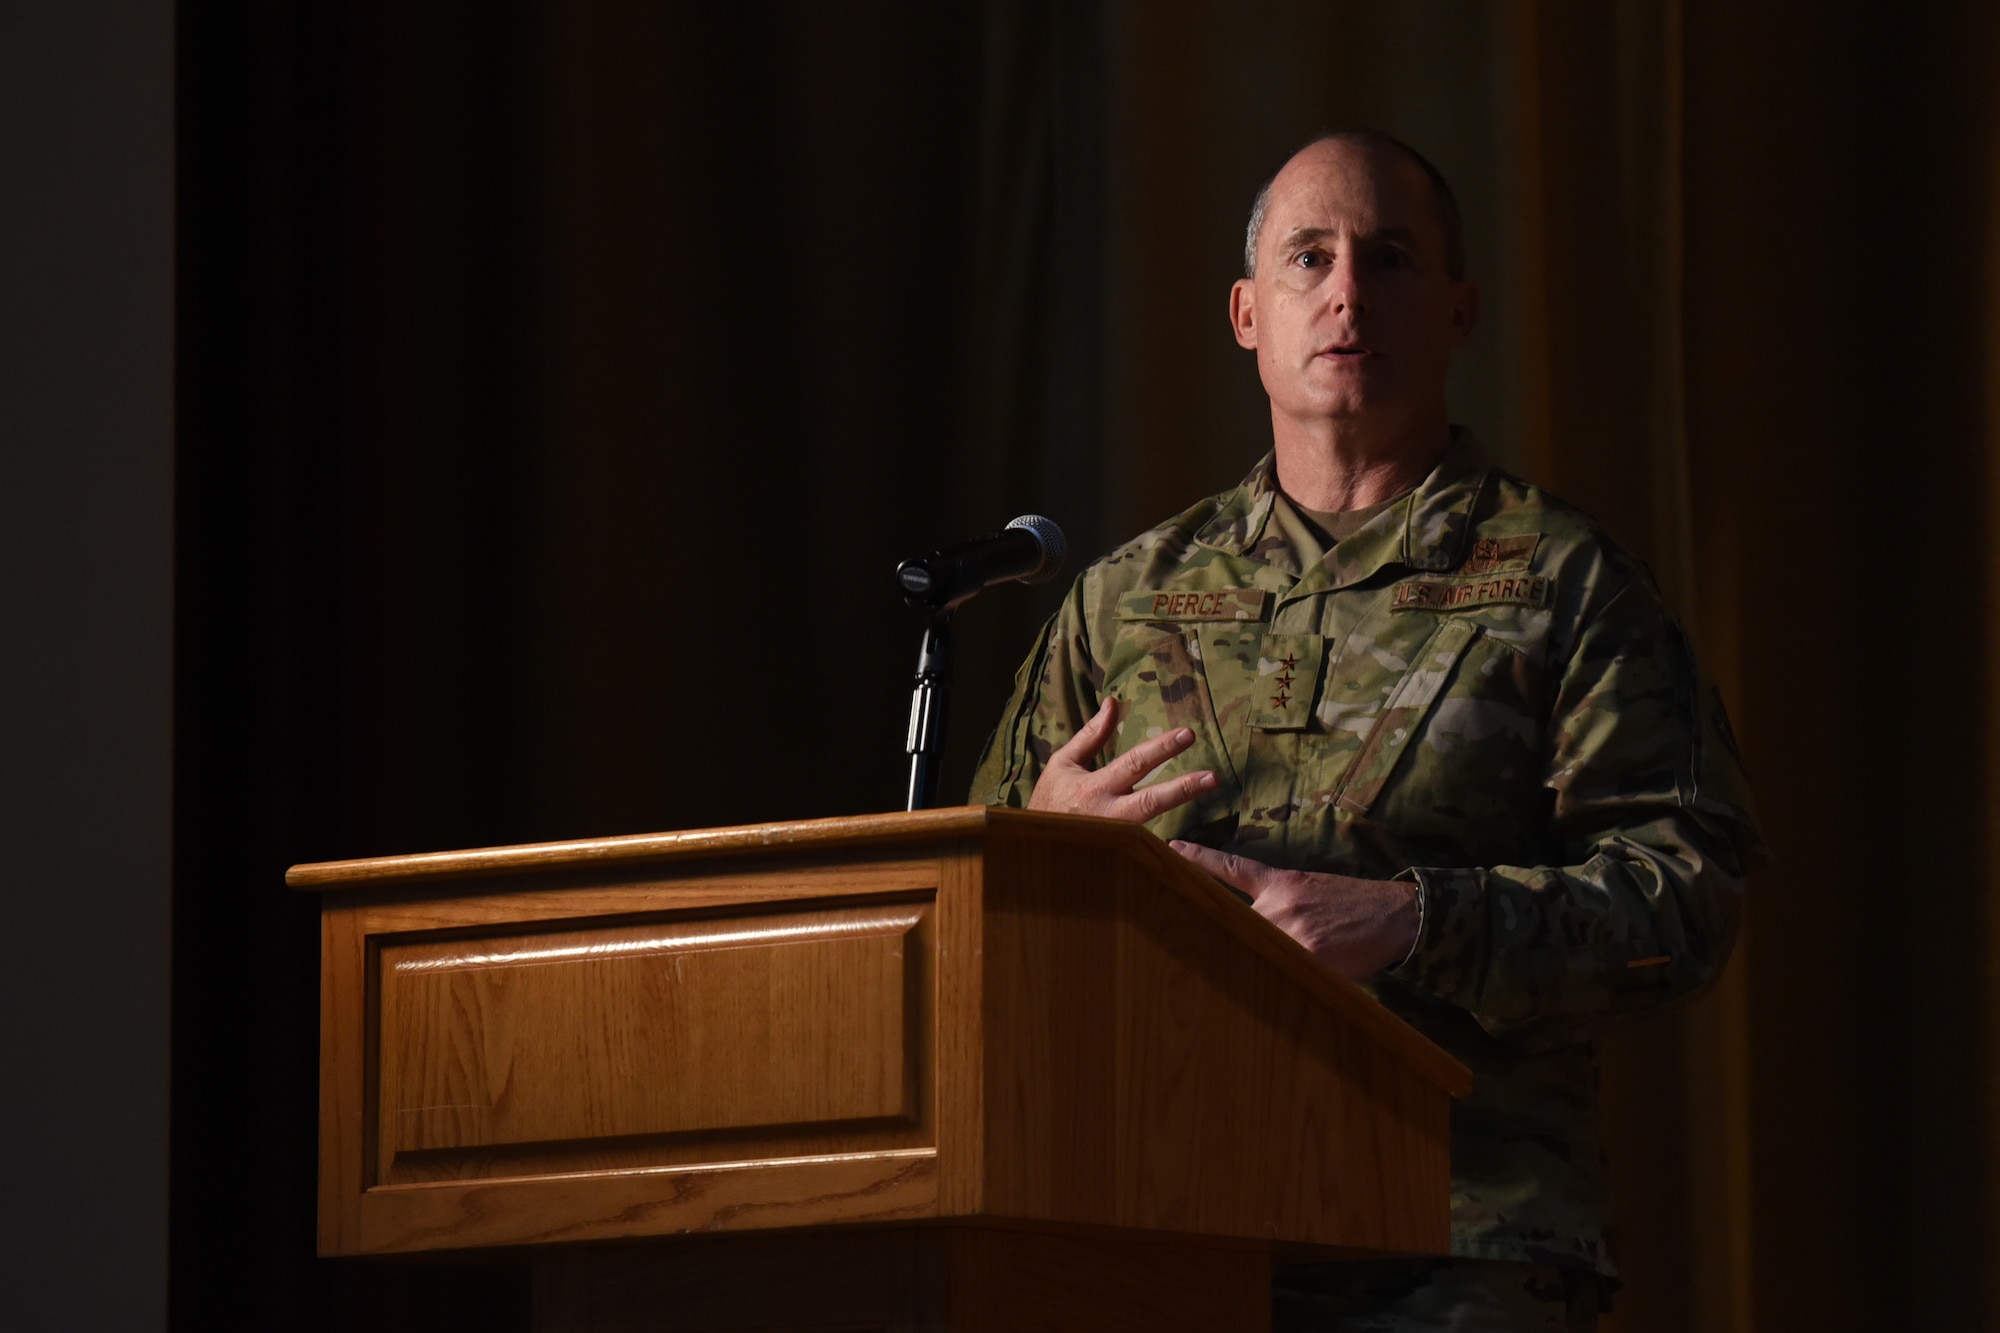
x,y
927,709
1029,550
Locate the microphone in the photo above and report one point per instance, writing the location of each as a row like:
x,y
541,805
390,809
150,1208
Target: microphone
x,y
1029,550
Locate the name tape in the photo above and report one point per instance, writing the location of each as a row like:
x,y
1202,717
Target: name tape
x,y
1214,604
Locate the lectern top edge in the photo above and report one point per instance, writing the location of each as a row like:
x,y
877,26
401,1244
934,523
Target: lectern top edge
x,y
803,835
845,834
798,835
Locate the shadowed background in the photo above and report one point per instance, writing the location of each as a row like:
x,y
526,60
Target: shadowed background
x,y
559,384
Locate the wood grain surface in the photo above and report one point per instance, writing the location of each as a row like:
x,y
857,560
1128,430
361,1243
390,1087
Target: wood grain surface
x,y
767,1194
963,1014
615,862
617,1060
545,1041
1144,1070
846,835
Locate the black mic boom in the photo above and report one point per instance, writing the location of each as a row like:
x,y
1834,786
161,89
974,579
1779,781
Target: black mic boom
x,y
1030,550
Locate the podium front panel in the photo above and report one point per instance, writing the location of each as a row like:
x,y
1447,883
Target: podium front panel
x,y
594,1062
948,1016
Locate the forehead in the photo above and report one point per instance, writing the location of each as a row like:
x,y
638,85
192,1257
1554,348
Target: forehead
x,y
1352,185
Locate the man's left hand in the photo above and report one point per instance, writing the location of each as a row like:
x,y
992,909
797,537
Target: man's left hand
x,y
1357,927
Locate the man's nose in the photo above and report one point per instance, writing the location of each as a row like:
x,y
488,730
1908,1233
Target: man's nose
x,y
1345,290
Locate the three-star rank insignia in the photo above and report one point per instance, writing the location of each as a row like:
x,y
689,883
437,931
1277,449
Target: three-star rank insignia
x,y
1288,667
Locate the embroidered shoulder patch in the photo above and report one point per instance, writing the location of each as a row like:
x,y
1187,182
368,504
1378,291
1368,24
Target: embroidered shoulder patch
x,y
1212,604
1465,594
1490,554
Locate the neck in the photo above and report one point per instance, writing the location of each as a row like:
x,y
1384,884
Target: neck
x,y
1333,466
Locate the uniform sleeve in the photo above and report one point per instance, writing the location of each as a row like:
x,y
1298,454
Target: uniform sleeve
x,y
1055,692
1652,825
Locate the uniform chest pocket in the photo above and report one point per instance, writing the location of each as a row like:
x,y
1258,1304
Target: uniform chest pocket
x,y
1410,699
1258,684
1164,666
1155,673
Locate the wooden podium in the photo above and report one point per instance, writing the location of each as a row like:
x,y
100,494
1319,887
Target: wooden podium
x,y
958,1069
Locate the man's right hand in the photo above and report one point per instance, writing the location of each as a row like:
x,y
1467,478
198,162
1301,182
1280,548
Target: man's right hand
x,y
1070,785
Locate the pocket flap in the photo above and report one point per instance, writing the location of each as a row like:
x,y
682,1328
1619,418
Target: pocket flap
x,y
1287,679
1404,713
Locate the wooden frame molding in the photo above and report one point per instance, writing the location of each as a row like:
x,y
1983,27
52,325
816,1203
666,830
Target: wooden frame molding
x,y
956,1016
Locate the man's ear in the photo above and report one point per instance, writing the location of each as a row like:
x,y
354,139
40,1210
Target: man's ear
x,y
1465,311
1242,312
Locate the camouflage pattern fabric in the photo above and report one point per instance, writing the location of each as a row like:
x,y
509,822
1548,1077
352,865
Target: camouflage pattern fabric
x,y
1426,1296
1479,691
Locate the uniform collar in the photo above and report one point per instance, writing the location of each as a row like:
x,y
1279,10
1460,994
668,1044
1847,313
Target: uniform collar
x,y
1426,529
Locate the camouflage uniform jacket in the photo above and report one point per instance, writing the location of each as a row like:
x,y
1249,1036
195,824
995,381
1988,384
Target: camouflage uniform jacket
x,y
1479,691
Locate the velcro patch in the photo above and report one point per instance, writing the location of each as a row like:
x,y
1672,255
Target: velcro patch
x,y
1465,594
1491,554
1287,674
1212,604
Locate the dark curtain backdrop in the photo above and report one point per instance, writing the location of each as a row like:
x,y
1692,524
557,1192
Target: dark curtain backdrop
x,y
558,385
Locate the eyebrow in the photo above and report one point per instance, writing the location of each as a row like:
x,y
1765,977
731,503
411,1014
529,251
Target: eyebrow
x,y
1306,235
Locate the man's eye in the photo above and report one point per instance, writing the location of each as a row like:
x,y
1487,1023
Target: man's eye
x,y
1394,259
1310,259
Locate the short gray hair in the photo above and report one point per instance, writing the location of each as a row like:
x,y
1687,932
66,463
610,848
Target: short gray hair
x,y
1441,193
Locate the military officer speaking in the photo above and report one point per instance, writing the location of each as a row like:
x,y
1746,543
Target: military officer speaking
x,y
1432,721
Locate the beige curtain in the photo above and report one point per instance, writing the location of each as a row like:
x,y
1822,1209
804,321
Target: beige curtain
x,y
1740,283
1563,135
1601,147
1740,275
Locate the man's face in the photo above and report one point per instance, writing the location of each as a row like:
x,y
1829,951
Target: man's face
x,y
1352,313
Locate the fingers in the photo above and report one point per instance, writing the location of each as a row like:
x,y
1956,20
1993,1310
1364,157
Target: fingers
x,y
1130,769
1081,748
1118,780
1236,871
1097,732
1072,785
1164,796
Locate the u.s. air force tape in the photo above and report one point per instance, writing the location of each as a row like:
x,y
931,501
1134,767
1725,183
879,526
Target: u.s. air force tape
x,y
1193,604
1464,594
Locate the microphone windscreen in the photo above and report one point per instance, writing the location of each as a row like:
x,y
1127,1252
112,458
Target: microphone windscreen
x,y
1054,546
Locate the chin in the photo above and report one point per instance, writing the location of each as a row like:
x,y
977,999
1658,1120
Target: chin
x,y
1342,407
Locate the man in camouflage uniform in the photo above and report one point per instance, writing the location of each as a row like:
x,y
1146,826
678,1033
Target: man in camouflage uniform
x,y
1431,720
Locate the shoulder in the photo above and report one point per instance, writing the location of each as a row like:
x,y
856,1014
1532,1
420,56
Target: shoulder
x,y
1607,617
1520,523
1511,504
1172,553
